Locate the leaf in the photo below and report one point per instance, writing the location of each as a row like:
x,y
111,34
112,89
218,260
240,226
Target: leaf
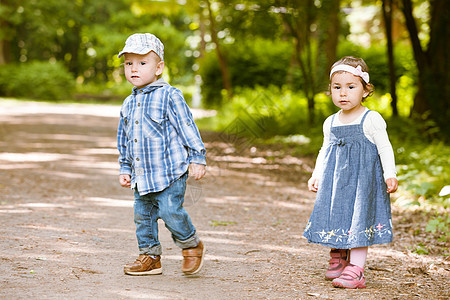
x,y
432,225
221,223
421,250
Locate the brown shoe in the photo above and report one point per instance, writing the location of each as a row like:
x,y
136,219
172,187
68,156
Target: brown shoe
x,y
144,265
193,259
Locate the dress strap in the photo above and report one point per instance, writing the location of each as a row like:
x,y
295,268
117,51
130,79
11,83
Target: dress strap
x,y
364,117
332,120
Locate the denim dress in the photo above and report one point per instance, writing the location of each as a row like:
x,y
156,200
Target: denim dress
x,y
352,208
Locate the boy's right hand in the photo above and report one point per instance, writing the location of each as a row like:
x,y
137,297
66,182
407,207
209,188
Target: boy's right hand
x,y
125,180
313,184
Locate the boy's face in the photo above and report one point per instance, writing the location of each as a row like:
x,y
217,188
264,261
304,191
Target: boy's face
x,y
141,70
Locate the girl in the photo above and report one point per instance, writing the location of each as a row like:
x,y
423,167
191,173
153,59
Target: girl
x,y
354,172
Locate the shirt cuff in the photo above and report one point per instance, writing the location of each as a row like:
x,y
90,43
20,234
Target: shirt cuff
x,y
197,159
125,170
389,175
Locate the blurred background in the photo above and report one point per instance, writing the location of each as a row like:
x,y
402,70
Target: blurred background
x,y
262,63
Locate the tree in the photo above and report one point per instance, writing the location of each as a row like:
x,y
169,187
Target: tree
x,y
85,35
220,55
313,26
6,32
432,63
387,7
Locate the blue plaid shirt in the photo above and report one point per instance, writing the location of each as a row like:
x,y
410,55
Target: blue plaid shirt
x,y
157,137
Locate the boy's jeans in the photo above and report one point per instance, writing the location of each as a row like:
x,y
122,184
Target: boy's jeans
x,y
167,205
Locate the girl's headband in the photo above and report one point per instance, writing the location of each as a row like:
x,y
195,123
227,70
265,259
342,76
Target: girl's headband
x,y
355,71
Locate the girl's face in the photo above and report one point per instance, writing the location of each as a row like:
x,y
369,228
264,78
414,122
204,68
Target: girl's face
x,y
141,70
347,91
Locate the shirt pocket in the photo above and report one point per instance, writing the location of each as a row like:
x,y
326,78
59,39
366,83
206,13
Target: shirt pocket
x,y
127,124
153,124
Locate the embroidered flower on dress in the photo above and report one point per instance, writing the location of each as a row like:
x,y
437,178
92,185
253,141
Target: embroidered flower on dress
x,y
308,226
348,236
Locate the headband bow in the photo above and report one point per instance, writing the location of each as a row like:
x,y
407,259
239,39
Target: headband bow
x,y
355,71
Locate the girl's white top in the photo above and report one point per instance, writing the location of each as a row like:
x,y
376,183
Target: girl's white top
x,y
375,130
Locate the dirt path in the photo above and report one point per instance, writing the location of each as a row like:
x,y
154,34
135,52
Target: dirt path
x,y
67,229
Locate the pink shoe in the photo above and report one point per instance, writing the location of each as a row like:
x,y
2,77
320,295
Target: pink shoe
x,y
351,278
338,261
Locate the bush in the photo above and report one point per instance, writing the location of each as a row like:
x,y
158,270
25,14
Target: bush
x,y
36,80
421,163
252,63
266,112
266,62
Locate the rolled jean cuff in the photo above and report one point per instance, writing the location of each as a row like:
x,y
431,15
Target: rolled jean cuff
x,y
188,243
155,250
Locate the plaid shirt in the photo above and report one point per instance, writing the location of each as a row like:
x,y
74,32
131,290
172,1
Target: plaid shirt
x,y
157,137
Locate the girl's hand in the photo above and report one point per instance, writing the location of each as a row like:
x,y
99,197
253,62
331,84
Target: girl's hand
x,y
125,180
197,170
392,185
313,184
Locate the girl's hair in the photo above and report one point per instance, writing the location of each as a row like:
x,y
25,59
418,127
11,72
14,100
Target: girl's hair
x,y
355,62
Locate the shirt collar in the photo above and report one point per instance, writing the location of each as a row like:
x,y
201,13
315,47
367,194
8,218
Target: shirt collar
x,y
152,86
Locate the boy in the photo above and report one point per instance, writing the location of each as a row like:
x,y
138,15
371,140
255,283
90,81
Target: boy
x,y
158,141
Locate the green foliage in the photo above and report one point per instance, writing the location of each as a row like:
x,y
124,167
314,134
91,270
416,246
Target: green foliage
x,y
263,112
36,80
87,35
421,249
102,93
270,115
422,163
376,59
258,62
215,223
440,225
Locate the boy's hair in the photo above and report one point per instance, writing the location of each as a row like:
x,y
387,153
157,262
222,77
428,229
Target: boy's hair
x,y
355,62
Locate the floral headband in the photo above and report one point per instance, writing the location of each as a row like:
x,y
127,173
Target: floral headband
x,y
355,71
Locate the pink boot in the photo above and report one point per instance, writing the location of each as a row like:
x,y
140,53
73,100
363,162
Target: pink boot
x,y
339,260
351,278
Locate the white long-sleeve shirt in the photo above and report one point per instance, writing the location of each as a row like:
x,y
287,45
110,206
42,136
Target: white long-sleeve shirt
x,y
374,129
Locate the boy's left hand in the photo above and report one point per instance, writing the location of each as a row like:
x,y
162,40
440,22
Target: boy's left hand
x,y
197,170
392,185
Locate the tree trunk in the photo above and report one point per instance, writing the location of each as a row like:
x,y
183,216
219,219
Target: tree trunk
x,y
329,26
5,44
4,52
420,106
437,84
299,27
202,33
433,65
387,15
220,56
299,49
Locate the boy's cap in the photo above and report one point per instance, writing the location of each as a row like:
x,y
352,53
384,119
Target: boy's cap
x,y
143,43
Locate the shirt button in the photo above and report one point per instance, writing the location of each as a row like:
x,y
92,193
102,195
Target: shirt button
x,y
139,104
135,140
137,159
137,122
